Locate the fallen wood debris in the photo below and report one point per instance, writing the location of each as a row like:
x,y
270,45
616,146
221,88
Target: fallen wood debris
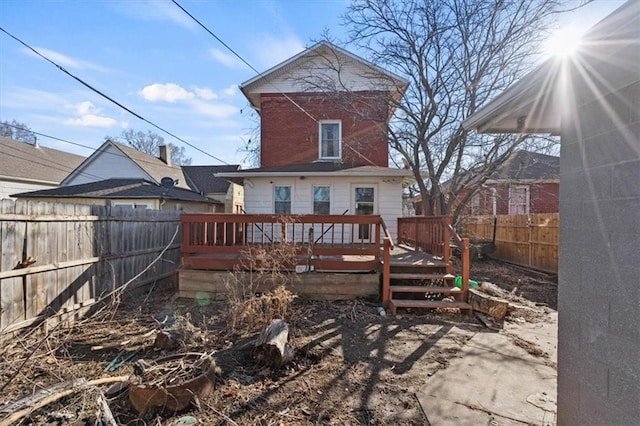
x,y
272,349
69,389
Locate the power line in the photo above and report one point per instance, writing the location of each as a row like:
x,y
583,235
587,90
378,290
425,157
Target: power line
x,y
236,54
242,59
110,99
86,146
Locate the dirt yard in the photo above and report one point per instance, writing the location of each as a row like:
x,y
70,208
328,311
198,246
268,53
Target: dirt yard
x,y
351,365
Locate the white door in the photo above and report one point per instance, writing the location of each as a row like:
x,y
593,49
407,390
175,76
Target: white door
x,y
365,203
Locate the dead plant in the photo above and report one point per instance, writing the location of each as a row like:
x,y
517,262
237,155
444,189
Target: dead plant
x,y
257,291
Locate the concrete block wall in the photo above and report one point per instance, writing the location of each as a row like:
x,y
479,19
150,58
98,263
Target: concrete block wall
x,y
290,132
599,280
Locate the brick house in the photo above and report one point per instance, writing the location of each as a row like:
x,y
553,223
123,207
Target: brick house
x,y
592,100
324,119
526,183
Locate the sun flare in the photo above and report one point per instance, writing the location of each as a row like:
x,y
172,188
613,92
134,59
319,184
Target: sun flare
x,y
562,43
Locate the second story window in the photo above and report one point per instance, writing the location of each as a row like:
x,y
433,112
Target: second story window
x,y
330,138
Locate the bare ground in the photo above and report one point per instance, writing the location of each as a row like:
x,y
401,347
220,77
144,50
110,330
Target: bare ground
x,y
352,366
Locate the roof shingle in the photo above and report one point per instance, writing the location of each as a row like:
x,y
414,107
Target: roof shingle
x,y
26,161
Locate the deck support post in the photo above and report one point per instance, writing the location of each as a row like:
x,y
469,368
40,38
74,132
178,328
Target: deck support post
x,y
386,272
465,269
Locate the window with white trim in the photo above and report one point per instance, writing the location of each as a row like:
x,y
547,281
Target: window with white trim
x,y
321,199
475,204
282,199
330,140
519,199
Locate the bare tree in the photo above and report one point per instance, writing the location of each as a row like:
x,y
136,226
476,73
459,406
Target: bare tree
x,y
456,54
149,143
17,131
251,146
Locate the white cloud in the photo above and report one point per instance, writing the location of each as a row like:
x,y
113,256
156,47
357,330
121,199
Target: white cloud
x,y
87,115
205,93
154,10
213,110
65,60
199,99
169,92
270,50
229,91
227,59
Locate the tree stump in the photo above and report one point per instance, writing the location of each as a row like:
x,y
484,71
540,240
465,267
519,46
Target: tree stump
x,y
272,349
490,305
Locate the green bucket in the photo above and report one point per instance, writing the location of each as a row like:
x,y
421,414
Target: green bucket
x,y
472,284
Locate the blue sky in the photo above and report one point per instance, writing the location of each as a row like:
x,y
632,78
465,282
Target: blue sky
x,y
151,57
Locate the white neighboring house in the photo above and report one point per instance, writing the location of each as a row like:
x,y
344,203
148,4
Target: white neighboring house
x,y
114,160
26,167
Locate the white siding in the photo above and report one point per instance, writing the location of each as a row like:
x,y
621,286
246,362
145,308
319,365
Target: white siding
x,y
111,163
319,72
259,195
8,187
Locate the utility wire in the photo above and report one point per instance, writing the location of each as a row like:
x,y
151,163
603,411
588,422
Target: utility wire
x,y
121,155
242,59
110,99
237,55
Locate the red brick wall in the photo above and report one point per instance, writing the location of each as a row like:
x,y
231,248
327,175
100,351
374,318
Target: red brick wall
x,y
543,198
290,136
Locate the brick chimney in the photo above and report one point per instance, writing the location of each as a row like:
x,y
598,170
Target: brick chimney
x,y
165,154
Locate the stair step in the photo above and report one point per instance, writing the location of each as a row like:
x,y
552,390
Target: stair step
x,y
426,304
430,265
410,276
422,289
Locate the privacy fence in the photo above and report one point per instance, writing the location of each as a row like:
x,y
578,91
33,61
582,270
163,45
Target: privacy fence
x,y
58,258
527,240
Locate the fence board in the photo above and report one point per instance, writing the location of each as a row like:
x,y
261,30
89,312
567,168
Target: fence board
x,y
81,253
528,240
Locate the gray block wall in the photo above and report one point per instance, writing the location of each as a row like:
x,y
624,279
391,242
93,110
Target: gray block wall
x,y
599,273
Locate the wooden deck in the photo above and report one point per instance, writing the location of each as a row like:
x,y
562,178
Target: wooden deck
x,y
336,257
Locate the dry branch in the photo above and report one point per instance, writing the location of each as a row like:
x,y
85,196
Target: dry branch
x,y
76,386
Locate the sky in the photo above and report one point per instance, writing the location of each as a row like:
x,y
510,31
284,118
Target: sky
x,y
154,59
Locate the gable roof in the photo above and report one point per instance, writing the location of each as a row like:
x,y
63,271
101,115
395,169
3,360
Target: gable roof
x,y
27,162
268,81
535,103
528,166
119,188
201,178
153,167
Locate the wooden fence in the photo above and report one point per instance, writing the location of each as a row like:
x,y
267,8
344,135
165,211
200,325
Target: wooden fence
x,y
57,258
527,240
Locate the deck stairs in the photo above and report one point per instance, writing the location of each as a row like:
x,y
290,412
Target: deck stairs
x,y
424,286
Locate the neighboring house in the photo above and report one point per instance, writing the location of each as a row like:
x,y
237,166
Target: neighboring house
x,y
131,193
526,183
202,179
27,167
324,149
113,161
592,100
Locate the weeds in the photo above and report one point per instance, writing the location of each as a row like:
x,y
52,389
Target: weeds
x,y
257,291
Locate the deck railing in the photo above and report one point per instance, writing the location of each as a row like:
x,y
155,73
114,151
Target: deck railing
x,y
434,234
209,238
